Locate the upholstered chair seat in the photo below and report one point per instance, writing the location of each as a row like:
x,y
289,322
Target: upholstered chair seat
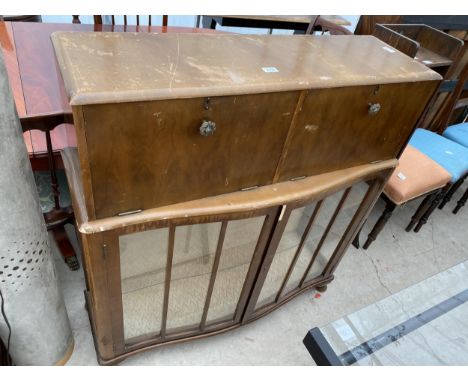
x,y
452,156
415,175
458,133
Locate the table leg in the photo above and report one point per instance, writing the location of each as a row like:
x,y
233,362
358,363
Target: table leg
x,y
209,22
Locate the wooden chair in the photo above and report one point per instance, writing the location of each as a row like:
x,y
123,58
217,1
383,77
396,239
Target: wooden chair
x,y
417,175
459,133
44,146
441,52
44,143
98,19
441,37
455,133
431,165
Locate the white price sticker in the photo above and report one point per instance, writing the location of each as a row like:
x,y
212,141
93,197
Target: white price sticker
x,y
401,176
270,69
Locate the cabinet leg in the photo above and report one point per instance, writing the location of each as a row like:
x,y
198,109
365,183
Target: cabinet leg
x,y
461,202
321,288
389,208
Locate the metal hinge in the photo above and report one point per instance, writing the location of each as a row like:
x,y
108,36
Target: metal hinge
x,y
249,188
297,178
129,212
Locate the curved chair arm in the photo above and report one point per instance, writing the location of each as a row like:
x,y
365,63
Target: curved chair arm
x,y
323,25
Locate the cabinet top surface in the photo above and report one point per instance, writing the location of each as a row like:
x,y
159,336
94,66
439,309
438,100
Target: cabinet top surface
x,y
100,67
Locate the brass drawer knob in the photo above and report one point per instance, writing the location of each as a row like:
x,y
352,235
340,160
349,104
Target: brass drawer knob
x,y
207,128
374,108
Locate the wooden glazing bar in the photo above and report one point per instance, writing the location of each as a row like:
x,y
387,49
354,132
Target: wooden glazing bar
x,y
167,282
299,248
351,230
281,219
111,252
255,269
358,220
214,272
325,234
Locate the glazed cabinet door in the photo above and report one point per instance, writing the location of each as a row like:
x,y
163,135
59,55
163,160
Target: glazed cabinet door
x,y
308,242
186,277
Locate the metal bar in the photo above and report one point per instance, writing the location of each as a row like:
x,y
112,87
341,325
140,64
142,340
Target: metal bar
x,y
299,248
125,20
138,19
167,282
325,234
214,272
319,348
399,331
149,20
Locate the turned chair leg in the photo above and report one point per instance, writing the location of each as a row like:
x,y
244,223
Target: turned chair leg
x,y
389,208
420,211
439,196
65,247
451,191
461,202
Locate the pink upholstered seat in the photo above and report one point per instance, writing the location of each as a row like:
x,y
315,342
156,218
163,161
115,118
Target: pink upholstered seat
x,y
416,175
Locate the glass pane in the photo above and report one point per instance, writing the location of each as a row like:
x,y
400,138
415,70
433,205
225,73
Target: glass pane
x,y
238,248
319,226
194,253
348,210
143,258
287,247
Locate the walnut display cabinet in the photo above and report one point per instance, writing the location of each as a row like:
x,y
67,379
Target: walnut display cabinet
x,y
218,176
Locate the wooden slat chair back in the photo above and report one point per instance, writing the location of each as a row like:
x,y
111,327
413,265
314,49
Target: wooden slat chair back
x,y
99,20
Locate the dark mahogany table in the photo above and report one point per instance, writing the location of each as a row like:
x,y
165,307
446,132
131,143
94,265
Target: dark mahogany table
x,y
32,68
42,103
